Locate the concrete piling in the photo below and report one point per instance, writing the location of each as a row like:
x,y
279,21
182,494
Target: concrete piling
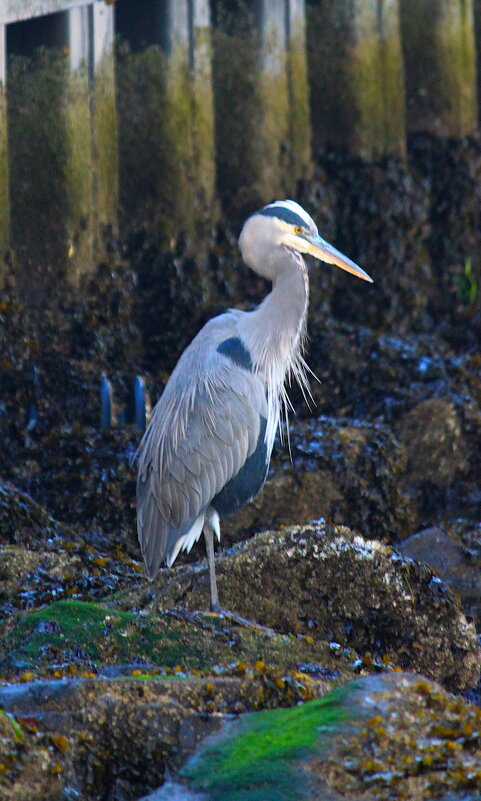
x,y
261,100
4,176
298,88
77,246
63,147
166,116
203,134
356,77
440,60
105,167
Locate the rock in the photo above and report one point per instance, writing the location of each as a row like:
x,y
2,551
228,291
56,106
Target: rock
x,y
454,551
425,393
68,638
22,520
29,764
389,736
330,583
71,567
432,435
118,738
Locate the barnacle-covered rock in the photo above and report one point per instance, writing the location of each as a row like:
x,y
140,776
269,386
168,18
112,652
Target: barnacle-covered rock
x,y
330,582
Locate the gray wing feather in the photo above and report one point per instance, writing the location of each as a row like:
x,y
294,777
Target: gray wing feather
x,y
202,430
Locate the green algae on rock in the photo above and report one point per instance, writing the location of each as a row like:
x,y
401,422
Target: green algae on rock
x,y
121,735
254,758
70,637
394,736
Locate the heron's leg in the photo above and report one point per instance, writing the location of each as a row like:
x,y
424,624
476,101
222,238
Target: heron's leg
x,y
209,546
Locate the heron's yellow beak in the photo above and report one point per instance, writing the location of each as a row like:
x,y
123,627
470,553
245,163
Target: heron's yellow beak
x,y
317,246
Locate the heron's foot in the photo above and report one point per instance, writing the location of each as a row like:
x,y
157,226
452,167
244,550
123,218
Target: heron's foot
x,y
198,618
241,621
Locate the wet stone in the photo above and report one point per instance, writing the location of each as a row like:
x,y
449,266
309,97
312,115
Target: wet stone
x,y
454,550
379,738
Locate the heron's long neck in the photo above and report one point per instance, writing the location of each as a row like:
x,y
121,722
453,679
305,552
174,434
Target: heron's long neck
x,y
276,327
274,334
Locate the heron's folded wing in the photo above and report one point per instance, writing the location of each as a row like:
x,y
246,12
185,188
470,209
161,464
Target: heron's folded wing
x,y
200,435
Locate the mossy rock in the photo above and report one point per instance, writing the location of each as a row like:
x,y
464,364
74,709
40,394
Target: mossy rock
x,y
255,759
120,735
386,737
358,740
71,637
329,582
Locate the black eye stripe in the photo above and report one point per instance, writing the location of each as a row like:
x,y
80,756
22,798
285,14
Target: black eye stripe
x,y
284,214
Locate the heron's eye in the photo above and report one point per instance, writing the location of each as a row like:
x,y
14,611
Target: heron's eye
x,y
297,230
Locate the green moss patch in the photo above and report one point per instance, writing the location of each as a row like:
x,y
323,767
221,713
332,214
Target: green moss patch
x,y
257,760
87,634
391,737
69,637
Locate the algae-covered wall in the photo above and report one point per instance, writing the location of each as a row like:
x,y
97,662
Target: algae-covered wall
x,y
166,119
104,128
209,100
356,77
440,62
4,178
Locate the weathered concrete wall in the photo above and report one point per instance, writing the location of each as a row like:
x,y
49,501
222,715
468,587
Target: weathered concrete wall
x,y
261,100
63,150
4,177
440,62
105,165
77,246
166,116
300,144
356,77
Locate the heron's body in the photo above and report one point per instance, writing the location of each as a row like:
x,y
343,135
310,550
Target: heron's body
x,y
207,448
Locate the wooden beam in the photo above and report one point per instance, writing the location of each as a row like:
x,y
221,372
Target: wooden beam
x,y
18,10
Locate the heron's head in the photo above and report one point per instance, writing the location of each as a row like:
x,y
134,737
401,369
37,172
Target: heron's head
x,y
285,224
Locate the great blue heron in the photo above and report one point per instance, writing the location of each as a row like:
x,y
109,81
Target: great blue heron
x,y
207,448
